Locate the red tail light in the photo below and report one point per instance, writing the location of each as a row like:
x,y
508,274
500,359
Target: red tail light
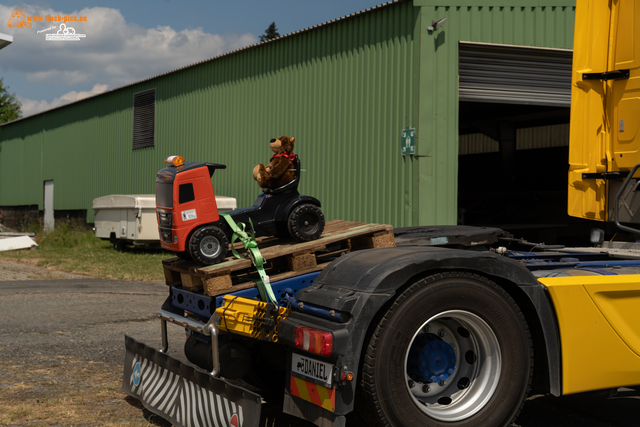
x,y
314,341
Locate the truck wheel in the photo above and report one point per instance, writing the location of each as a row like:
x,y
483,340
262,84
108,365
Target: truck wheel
x,y
306,222
453,350
208,245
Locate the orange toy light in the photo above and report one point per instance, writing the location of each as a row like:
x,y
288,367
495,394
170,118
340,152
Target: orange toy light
x,y
174,160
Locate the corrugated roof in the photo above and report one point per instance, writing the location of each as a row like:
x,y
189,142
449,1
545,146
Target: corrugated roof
x,y
5,40
253,46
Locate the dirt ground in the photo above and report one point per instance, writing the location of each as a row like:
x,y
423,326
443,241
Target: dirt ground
x,y
26,270
62,348
58,368
64,391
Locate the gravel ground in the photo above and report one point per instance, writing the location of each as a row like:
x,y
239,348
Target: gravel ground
x,y
62,346
17,271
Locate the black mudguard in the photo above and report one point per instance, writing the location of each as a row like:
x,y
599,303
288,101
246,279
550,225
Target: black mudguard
x,y
362,282
182,394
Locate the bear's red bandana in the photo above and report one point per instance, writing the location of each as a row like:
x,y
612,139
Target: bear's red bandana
x,y
291,156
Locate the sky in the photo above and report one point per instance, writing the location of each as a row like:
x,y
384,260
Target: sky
x,y
129,40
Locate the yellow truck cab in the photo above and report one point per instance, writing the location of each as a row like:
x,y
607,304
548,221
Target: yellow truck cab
x,y
605,111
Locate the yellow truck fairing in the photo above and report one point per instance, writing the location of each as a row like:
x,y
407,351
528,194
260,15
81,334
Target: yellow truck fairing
x,y
599,322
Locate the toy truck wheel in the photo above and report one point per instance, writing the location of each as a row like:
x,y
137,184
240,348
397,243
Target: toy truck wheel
x,y
454,349
306,222
184,255
208,245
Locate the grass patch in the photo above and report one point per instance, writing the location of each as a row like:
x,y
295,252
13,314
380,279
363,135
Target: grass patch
x,y
75,249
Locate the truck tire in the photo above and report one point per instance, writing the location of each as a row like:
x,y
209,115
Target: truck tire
x,y
453,350
208,245
306,222
119,245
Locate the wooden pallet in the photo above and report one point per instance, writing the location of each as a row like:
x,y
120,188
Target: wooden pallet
x,y
284,258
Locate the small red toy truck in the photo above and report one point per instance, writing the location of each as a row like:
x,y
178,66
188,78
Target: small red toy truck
x,y
188,219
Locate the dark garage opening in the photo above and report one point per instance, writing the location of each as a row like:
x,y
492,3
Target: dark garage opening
x,y
514,141
512,171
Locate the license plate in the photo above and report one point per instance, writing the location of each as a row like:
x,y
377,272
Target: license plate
x,y
311,369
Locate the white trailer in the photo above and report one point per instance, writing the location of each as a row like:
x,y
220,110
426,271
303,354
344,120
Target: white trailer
x,y
130,219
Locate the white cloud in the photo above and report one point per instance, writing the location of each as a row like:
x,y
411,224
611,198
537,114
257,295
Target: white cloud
x,y
31,106
114,52
55,76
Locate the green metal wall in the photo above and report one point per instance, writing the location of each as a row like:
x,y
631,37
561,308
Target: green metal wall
x,y
530,23
345,91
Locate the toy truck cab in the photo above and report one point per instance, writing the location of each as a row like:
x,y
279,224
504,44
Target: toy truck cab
x,y
184,200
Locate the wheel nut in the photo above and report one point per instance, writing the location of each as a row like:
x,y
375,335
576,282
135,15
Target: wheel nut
x,y
426,389
411,383
442,333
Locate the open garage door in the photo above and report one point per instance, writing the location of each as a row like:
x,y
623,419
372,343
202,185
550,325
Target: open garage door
x,y
513,157
514,74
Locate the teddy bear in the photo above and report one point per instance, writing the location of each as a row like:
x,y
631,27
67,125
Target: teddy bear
x,y
280,169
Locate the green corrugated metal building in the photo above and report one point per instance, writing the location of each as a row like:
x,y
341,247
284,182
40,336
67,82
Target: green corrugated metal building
x,y
345,89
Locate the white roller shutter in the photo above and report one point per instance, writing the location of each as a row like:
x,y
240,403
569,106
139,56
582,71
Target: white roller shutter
x,y
514,74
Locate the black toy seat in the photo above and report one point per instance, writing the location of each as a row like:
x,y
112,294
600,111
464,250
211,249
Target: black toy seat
x,y
292,185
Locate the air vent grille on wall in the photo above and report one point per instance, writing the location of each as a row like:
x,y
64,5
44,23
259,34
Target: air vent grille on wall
x,y
144,118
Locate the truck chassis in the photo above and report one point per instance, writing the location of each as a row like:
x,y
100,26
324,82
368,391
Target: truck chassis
x,y
443,328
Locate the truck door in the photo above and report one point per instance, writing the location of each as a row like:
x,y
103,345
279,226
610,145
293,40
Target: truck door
x,y
588,135
624,102
605,104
